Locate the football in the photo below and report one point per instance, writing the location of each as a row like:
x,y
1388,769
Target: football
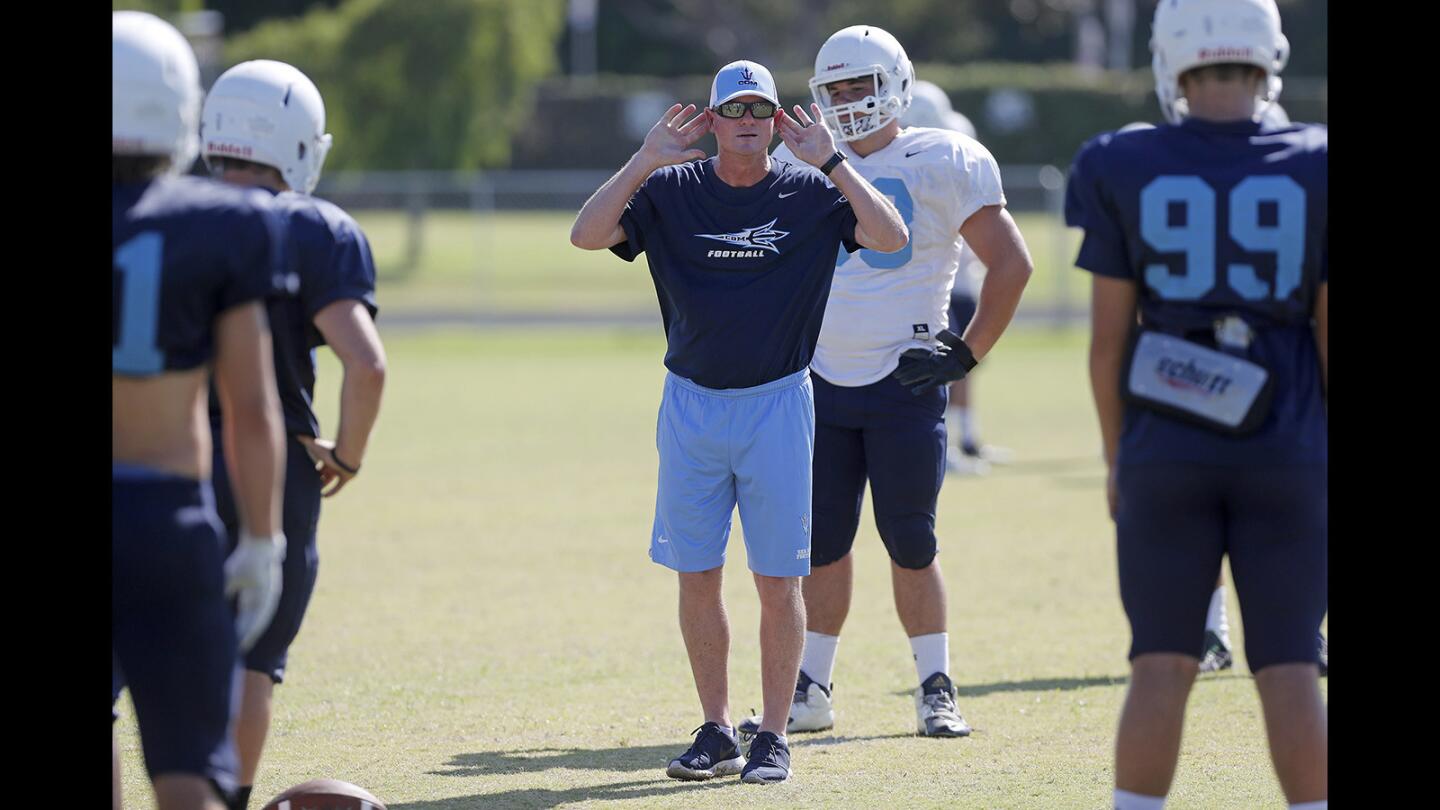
x,y
325,794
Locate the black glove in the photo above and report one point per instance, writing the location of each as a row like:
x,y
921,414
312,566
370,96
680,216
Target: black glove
x,y
925,369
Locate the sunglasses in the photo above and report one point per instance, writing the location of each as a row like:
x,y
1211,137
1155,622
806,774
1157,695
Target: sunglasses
x,y
736,109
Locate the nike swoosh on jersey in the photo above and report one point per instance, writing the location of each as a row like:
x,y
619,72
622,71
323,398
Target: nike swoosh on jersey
x,y
791,194
916,152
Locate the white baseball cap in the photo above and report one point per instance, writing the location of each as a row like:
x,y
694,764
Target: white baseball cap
x,y
743,78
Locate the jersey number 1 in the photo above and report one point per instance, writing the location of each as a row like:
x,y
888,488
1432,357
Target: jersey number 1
x,y
139,263
1197,237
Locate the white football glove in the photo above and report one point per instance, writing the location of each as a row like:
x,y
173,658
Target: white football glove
x,y
253,572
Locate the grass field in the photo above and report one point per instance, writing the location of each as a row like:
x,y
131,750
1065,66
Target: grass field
x,y
487,630
511,261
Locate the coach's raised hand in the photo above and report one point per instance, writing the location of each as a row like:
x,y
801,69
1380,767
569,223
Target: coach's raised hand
x,y
812,144
878,225
669,140
597,226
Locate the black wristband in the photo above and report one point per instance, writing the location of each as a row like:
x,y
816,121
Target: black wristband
x,y
835,160
335,457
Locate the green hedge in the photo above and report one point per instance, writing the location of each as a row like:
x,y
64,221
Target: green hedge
x,y
439,84
1069,106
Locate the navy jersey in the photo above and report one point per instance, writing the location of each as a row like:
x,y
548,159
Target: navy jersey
x,y
330,261
184,250
742,274
1211,219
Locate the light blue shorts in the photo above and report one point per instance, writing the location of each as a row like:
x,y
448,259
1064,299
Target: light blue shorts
x,y
752,446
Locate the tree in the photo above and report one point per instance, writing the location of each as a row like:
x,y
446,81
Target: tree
x,y
435,85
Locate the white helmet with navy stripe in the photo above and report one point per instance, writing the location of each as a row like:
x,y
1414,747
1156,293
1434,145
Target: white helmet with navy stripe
x,y
858,52
155,90
270,113
1188,34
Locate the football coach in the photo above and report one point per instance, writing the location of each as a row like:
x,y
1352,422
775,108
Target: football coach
x,y
742,251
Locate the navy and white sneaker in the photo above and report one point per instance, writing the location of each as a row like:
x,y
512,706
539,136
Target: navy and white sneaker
x,y
810,710
769,760
1216,655
936,714
1324,657
714,753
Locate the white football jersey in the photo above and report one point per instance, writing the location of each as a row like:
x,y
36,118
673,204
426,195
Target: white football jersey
x,y
882,304
971,273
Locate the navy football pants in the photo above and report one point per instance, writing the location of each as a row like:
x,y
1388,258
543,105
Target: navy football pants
x,y
896,440
172,636
1175,522
301,518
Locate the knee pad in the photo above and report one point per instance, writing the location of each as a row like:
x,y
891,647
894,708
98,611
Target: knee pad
x,y
910,540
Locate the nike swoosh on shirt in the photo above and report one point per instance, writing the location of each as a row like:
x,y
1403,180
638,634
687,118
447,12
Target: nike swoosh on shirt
x,y
916,152
791,194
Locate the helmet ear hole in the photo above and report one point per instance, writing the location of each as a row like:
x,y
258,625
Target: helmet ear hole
x,y
300,152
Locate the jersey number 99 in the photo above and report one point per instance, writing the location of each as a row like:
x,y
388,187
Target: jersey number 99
x,y
1197,238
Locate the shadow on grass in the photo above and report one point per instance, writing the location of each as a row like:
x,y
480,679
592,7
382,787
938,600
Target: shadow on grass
x,y
1062,684
650,758
544,797
1032,685
530,760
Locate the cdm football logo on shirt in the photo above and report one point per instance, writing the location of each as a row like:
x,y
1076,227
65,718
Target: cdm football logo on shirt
x,y
753,242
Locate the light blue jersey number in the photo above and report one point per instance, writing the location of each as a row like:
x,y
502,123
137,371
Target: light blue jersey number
x,y
894,188
139,263
1197,238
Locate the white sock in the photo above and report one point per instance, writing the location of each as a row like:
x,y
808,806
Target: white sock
x,y
1215,620
818,660
1125,800
967,425
932,654
1323,804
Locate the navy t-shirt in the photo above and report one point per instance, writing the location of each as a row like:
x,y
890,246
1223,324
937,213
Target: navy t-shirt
x,y
185,249
742,274
1209,219
331,261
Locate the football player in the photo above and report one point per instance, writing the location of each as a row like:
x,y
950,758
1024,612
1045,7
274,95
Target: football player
x,y
966,454
1207,238
263,126
193,261
884,358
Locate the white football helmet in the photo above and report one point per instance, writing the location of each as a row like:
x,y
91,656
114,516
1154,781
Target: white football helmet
x,y
155,90
928,105
958,122
858,52
267,112
1193,33
1274,117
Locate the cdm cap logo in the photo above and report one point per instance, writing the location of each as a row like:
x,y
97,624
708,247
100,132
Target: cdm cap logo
x,y
747,77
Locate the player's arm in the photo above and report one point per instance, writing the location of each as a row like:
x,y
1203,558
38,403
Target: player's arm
x,y
878,224
1322,333
255,455
350,332
1112,317
992,233
597,226
253,427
